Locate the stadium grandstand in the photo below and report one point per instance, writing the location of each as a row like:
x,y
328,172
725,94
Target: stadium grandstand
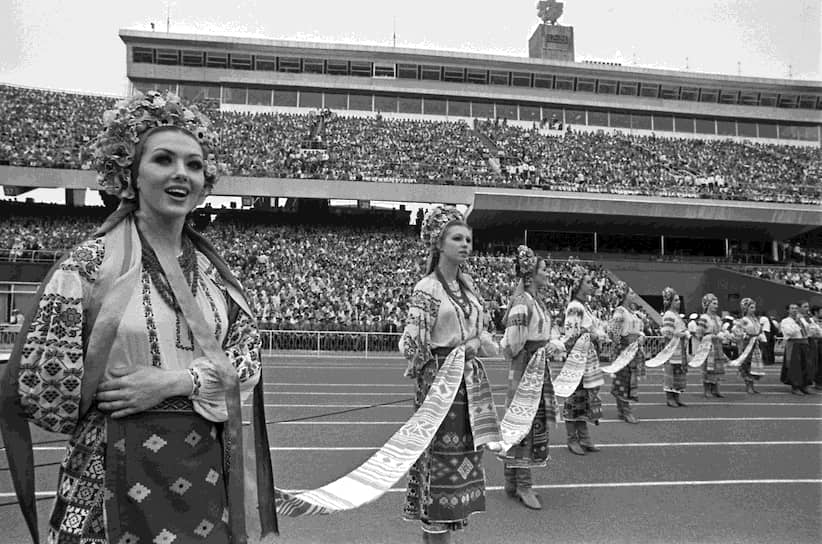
x,y
651,175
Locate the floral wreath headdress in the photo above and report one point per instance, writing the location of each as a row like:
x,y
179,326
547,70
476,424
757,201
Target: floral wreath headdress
x,y
668,296
526,262
706,301
435,222
114,149
578,273
621,290
744,304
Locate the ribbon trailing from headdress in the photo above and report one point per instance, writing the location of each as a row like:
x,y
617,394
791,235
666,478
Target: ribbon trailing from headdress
x,y
745,353
665,354
574,367
702,351
626,356
382,470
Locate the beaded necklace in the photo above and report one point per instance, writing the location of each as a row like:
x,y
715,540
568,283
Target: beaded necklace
x,y
188,262
457,295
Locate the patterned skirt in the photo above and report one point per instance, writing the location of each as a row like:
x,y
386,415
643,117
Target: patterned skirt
x,y
753,367
583,405
158,475
447,483
532,451
714,367
676,372
625,385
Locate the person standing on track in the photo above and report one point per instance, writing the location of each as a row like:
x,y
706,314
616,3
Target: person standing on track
x,y
447,483
813,324
709,328
141,346
747,329
676,368
796,363
583,335
625,328
527,329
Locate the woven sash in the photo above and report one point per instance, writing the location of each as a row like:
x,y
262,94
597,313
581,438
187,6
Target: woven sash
x,y
744,355
574,367
626,356
382,470
665,355
518,418
702,351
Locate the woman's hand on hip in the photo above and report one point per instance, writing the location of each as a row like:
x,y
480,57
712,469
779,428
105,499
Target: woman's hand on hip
x,y
131,390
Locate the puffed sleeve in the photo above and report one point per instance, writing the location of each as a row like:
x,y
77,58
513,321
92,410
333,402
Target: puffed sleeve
x,y
51,365
242,348
616,325
572,325
701,326
738,329
668,329
516,327
415,341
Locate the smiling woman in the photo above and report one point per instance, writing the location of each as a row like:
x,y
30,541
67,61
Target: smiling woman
x,y
142,347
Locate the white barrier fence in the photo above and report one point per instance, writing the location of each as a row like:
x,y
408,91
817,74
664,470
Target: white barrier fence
x,y
353,344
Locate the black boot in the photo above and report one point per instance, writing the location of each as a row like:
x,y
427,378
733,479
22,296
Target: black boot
x,y
436,538
573,439
679,400
585,437
628,414
706,390
671,402
715,391
510,481
749,388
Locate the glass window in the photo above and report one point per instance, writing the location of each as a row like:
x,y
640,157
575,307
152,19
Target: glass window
x,y
459,108
598,118
313,66
606,87
627,89
521,79
361,68
288,64
407,71
476,76
451,73
683,124
431,73
767,130
198,92
664,123
216,60
507,111
192,58
336,101
142,54
641,121
553,115
726,128
234,95
483,110
384,71
410,105
705,126
746,128
620,120
385,103
360,102
530,113
240,61
434,106
259,97
498,77
167,56
262,62
574,116
337,67
285,98
543,81
649,90
586,85
311,99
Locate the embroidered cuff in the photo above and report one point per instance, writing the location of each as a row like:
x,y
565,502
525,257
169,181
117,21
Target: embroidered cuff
x,y
196,383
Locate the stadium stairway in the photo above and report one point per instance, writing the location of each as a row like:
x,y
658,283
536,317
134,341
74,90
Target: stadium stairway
x,y
649,310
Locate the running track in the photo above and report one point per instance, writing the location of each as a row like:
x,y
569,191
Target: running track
x,y
740,469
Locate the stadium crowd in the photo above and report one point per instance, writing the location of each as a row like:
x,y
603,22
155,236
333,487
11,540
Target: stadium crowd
x,y
299,277
52,129
807,278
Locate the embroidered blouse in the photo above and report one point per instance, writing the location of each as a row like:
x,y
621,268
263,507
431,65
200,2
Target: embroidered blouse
x,y
51,368
624,322
435,320
527,321
673,326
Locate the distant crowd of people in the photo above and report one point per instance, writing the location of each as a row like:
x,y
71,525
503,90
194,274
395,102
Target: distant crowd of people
x,y
53,129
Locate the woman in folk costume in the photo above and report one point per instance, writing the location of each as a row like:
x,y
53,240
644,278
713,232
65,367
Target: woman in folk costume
x,y
709,328
447,483
625,328
748,332
676,368
527,329
141,346
580,378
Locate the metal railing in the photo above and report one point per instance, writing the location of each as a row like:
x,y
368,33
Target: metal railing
x,y
357,344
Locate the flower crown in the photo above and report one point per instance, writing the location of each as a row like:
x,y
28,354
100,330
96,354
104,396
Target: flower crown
x,y
526,261
707,299
113,151
436,221
668,295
